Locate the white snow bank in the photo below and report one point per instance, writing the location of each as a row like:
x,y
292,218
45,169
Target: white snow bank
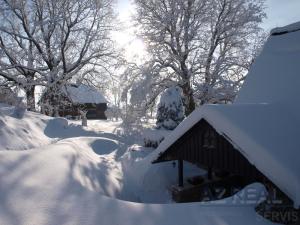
x,y
22,133
66,183
79,180
36,130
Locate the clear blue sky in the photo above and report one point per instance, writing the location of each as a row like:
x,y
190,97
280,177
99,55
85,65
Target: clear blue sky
x,y
280,12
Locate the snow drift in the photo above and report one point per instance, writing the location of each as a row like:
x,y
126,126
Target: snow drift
x,y
80,180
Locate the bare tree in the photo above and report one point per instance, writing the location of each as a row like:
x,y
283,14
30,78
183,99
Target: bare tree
x,y
228,47
68,37
141,85
17,62
200,42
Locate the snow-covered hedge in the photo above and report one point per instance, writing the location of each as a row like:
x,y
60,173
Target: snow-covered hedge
x,y
152,138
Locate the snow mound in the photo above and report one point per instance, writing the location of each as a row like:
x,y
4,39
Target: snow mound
x,y
22,133
36,130
80,180
67,183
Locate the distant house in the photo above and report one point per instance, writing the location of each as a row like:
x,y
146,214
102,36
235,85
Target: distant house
x,y
254,139
74,98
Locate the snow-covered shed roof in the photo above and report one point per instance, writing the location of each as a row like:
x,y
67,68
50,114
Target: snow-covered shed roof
x,y
83,94
263,123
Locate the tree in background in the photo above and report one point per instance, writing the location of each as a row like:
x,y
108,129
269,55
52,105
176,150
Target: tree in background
x,y
170,110
141,86
49,42
17,59
8,96
205,46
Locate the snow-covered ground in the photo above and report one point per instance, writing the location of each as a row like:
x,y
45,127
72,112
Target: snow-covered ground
x,y
66,174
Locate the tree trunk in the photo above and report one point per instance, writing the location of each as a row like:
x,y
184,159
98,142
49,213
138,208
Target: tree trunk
x,y
20,109
83,118
30,91
189,102
84,121
55,111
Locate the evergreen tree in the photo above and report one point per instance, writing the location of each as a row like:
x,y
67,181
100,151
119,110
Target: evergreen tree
x,y
170,111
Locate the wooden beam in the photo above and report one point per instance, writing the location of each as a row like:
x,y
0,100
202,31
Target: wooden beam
x,y
180,172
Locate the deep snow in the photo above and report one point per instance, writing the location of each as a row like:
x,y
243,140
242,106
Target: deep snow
x,y
74,175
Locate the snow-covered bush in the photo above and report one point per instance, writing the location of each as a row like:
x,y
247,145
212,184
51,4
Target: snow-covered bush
x,y
170,111
152,138
153,143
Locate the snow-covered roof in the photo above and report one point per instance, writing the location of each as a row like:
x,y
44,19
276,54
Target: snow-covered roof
x,y
83,94
263,123
287,29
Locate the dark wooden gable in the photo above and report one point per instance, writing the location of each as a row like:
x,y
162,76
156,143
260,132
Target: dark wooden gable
x,y
96,111
203,146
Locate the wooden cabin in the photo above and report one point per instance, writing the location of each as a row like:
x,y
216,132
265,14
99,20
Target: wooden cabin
x,y
73,98
204,146
255,139
226,167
